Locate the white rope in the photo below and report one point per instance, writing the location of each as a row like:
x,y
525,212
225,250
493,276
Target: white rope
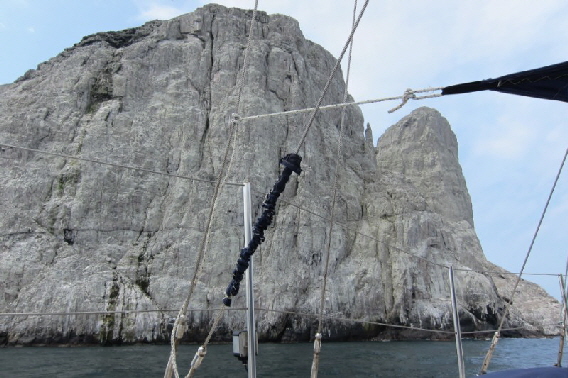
x,y
344,104
327,84
203,347
197,359
317,350
317,342
233,123
408,95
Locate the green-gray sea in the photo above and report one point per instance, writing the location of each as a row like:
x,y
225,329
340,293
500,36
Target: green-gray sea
x,y
354,359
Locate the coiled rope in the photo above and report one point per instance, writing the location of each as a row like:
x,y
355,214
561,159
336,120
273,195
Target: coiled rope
x,y
509,303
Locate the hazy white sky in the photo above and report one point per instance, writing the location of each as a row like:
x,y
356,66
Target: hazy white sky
x,y
510,147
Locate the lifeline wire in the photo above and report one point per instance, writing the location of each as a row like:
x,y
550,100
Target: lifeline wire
x,y
111,164
489,354
408,95
401,250
388,325
125,312
260,309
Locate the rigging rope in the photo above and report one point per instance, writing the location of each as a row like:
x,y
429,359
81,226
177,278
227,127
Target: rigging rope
x,y
175,340
180,320
509,303
327,84
202,350
180,327
317,341
345,104
410,94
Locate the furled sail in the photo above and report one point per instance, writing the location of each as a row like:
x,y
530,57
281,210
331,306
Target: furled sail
x,y
549,82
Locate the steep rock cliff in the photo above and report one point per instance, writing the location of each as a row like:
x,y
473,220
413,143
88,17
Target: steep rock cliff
x,y
77,236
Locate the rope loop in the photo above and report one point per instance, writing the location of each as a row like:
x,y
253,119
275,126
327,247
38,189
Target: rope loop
x,y
409,94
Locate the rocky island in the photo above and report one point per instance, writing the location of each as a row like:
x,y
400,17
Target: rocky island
x,y
103,253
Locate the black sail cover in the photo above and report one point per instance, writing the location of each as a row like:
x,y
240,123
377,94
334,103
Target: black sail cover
x,y
550,82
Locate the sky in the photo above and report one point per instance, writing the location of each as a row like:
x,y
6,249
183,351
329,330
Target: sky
x,y
510,147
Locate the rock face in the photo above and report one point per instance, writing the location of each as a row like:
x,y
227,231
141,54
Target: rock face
x,y
81,237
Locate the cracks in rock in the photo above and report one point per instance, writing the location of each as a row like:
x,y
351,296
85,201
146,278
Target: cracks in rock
x,y
207,97
142,280
275,93
204,138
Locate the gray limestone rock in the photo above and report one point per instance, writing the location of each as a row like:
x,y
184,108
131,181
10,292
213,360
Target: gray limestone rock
x,y
81,237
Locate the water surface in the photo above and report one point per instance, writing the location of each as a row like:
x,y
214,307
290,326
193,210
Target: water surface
x,y
355,359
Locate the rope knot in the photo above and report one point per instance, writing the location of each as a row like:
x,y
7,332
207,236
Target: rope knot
x,y
198,358
409,94
235,119
317,343
180,326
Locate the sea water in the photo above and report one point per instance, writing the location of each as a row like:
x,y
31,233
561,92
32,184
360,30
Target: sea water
x,y
354,359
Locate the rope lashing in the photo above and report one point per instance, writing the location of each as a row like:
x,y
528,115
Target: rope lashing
x,y
346,104
202,350
410,94
180,327
317,350
197,359
291,163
